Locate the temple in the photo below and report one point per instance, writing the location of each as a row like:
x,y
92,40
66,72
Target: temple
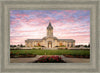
x,y
49,41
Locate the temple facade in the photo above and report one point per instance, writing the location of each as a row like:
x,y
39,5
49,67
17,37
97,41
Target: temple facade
x,y
49,41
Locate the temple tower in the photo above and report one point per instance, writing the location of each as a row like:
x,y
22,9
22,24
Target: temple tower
x,y
49,30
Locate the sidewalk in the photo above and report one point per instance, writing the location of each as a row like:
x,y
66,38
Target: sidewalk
x,y
76,60
24,60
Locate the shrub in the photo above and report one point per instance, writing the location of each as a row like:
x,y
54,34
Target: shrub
x,y
39,48
23,54
50,59
56,46
34,48
42,46
60,48
66,48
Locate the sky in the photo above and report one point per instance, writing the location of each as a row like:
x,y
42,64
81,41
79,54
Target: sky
x,y
32,24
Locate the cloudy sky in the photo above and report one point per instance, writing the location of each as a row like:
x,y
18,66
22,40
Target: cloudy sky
x,y
32,24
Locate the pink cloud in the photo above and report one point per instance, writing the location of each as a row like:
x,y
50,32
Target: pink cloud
x,y
33,25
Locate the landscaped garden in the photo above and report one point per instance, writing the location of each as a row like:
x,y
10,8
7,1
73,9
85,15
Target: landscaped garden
x,y
34,52
50,59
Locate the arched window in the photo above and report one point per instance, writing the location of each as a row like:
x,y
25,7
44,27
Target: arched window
x,y
68,44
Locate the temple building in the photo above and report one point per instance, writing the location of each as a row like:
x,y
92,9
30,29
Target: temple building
x,y
49,41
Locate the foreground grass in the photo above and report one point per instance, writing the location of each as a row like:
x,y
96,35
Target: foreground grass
x,y
52,52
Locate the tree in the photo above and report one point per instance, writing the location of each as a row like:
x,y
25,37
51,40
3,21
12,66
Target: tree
x,y
85,46
77,45
11,46
89,45
21,45
14,46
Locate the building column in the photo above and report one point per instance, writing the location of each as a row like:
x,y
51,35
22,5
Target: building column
x,y
69,44
73,44
66,44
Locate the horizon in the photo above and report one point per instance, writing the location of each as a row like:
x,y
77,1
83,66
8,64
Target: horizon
x,y
67,24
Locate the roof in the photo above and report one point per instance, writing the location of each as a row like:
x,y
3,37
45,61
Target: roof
x,y
68,40
33,40
55,37
49,26
47,37
44,37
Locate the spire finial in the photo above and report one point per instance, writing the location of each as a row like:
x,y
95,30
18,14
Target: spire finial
x,y
49,26
49,23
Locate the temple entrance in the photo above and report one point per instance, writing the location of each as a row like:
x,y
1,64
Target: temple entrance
x,y
49,44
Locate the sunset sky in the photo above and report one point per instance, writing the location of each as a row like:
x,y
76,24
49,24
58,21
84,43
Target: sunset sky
x,y
32,24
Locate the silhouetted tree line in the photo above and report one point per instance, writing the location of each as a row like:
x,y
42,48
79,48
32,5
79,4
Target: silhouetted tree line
x,y
21,45
83,45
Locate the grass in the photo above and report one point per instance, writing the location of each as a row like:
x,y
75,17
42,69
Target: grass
x,y
53,52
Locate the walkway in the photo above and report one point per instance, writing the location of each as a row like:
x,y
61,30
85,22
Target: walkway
x,y
76,60
31,60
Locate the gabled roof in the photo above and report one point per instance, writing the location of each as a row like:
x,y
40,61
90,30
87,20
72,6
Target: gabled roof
x,y
44,38
30,40
68,40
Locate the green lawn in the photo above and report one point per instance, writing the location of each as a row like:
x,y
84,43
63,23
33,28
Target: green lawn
x,y
52,52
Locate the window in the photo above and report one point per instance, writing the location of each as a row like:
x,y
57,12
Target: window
x,y
68,44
